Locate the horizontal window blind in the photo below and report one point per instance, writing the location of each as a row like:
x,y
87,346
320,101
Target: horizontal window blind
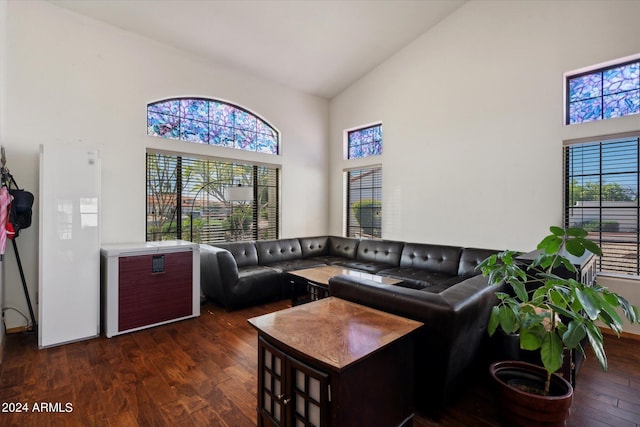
x,y
601,195
189,199
364,202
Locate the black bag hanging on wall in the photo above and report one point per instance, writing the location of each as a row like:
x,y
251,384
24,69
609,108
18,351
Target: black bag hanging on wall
x,y
20,212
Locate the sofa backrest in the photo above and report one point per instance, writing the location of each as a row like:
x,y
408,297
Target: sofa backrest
x,y
343,246
437,258
470,259
244,253
314,246
270,251
385,251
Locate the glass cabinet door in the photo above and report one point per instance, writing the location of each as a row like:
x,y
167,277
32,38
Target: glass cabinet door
x,y
290,393
310,395
271,385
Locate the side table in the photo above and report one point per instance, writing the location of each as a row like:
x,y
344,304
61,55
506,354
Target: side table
x,y
334,363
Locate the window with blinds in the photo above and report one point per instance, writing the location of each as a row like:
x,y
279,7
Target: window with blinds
x,y
198,200
364,202
601,195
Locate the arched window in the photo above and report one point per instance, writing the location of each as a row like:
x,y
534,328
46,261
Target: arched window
x,y
213,122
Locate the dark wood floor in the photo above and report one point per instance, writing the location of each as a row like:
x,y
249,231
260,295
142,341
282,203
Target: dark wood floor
x,y
201,372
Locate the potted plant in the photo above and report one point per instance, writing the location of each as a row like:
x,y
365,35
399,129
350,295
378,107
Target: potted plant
x,y
555,315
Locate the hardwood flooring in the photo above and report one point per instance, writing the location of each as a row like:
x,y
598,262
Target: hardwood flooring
x,y
202,372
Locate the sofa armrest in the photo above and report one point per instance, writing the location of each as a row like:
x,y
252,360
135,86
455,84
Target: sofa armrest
x,y
217,266
471,301
454,331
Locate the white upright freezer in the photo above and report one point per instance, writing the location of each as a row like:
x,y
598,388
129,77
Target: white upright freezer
x,y
69,250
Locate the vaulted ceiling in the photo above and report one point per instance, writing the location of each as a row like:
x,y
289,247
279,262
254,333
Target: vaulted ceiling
x,y
316,46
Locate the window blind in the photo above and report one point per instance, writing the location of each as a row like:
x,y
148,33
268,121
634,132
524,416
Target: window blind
x,y
364,202
187,199
601,195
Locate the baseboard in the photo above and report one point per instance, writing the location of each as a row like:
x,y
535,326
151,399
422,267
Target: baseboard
x,y
623,334
18,329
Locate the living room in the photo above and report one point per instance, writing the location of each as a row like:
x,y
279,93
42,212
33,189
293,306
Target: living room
x,y
472,113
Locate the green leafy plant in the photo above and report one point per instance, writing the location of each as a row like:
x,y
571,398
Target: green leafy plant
x,y
367,212
557,313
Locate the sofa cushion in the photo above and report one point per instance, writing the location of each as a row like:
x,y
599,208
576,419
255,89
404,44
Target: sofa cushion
x,y
470,259
379,251
296,264
244,253
371,267
272,251
327,260
373,256
343,247
255,283
418,278
433,258
314,246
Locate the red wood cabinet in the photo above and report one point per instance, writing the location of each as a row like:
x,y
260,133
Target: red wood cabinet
x,y
149,284
145,298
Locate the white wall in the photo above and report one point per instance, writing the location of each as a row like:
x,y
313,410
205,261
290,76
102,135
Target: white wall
x,y
73,80
472,115
3,45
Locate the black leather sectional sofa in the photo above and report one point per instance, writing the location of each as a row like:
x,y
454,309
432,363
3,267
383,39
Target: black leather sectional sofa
x,y
243,273
440,287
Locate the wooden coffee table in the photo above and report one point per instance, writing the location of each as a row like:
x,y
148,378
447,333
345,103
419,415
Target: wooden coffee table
x,y
334,363
316,280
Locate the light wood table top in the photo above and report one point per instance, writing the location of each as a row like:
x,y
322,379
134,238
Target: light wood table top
x,y
321,275
334,331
